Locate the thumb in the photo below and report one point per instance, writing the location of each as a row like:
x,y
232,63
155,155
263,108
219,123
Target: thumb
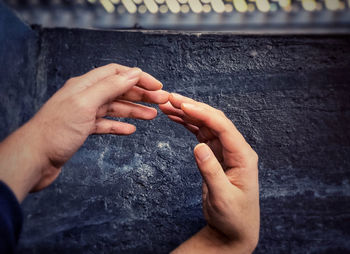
x,y
211,169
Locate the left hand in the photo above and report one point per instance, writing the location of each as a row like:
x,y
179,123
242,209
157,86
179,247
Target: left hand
x,y
229,167
32,157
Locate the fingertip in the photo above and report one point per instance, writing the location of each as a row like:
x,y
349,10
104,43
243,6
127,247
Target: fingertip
x,y
153,114
132,128
202,152
175,100
150,83
199,145
149,115
158,86
164,106
163,97
127,130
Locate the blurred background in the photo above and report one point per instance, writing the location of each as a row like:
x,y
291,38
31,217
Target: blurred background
x,y
320,16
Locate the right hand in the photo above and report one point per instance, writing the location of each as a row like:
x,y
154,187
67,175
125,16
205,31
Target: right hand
x,y
229,169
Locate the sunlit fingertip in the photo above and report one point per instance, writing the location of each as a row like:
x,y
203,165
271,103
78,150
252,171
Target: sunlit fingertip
x,y
202,152
153,114
132,129
159,86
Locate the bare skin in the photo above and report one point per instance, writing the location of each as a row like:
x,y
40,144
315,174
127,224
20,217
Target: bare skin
x,y
32,157
229,169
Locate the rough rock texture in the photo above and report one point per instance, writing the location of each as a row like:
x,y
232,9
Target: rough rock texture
x,y
18,49
288,95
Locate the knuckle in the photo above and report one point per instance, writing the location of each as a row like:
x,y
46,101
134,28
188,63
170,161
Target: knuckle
x,y
112,129
215,110
251,158
220,112
72,80
143,95
117,79
112,65
133,113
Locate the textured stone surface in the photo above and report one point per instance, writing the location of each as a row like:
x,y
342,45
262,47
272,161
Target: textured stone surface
x,y
288,95
17,71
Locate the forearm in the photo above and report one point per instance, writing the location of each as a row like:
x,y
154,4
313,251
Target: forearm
x,y
21,162
208,240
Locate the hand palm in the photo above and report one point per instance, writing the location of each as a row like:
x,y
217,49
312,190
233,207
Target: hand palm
x,y
230,184
79,107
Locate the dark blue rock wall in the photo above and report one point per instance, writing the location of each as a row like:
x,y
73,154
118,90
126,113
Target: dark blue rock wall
x,y
288,95
17,71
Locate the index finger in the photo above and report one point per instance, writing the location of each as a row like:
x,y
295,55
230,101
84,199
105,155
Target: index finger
x,y
146,80
231,139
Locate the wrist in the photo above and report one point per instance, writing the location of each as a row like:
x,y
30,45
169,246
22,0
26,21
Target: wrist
x,y
209,240
35,131
22,161
226,244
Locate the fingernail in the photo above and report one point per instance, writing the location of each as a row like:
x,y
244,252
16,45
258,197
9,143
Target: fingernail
x,y
132,73
202,152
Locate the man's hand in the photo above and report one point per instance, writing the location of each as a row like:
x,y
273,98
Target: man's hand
x,y
229,169
77,110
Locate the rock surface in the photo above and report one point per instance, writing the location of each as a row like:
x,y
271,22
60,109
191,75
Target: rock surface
x,y
18,54
288,95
